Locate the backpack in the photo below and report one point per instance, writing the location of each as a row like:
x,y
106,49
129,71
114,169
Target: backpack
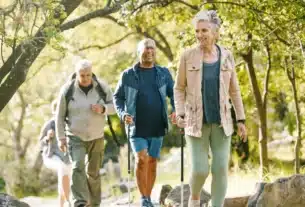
x,y
69,93
69,96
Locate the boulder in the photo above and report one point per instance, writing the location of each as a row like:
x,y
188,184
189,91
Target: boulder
x,y
160,192
259,187
174,197
236,202
8,201
284,192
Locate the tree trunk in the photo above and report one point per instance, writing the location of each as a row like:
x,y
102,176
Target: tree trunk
x,y
261,106
292,78
263,150
38,164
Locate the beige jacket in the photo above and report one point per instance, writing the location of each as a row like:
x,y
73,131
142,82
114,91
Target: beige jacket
x,y
188,96
83,122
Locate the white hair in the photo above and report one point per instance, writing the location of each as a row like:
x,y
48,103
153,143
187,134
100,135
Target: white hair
x,y
147,42
207,15
82,65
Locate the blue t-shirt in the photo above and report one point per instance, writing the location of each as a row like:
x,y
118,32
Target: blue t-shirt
x,y
210,92
149,120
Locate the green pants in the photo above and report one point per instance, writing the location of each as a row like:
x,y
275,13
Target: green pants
x,y
86,160
213,136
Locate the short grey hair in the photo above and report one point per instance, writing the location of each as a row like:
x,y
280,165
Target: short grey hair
x,y
207,15
83,64
144,43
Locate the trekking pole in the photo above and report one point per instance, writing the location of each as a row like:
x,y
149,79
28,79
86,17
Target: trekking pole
x,y
128,140
182,171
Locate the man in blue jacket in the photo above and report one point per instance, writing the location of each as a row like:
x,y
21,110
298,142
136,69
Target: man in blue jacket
x,y
140,101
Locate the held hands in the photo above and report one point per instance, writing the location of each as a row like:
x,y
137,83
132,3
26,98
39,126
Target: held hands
x,y
172,117
180,121
242,131
97,108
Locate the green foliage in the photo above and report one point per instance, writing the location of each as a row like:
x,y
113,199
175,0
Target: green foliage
x,y
20,180
245,24
2,184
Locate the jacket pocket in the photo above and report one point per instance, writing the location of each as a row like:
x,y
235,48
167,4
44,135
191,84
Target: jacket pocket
x,y
193,77
226,72
228,114
190,115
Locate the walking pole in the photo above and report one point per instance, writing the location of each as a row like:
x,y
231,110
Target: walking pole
x,y
182,176
128,139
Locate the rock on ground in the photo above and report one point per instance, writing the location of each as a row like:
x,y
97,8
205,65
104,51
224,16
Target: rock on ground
x,y
284,192
10,201
174,197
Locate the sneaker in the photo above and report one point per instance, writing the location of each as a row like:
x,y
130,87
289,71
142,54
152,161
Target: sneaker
x,y
67,204
144,202
194,203
150,203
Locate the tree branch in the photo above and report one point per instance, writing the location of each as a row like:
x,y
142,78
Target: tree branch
x,y
246,6
27,57
188,5
164,3
143,5
166,50
6,145
2,42
109,10
274,31
98,13
35,18
115,20
14,44
267,77
288,72
18,130
100,47
302,51
167,47
108,3
9,9
25,147
38,39
44,64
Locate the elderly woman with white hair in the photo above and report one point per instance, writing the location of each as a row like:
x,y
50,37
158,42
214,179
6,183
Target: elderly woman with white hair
x,y
205,83
83,105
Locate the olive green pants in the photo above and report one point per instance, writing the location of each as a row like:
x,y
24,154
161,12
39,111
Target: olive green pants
x,y
212,137
86,158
